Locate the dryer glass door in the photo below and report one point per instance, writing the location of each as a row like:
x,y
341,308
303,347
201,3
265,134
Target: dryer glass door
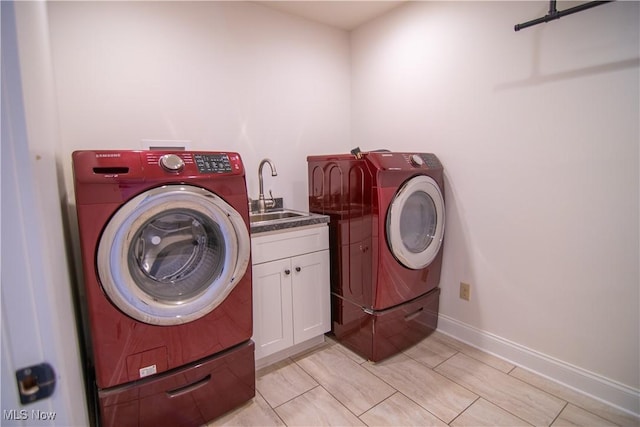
x,y
172,254
415,222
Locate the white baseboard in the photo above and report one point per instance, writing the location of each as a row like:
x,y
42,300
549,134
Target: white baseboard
x,y
613,393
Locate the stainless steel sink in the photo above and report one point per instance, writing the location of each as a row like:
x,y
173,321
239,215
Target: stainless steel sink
x,y
275,216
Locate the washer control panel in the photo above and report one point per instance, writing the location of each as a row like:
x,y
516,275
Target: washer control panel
x,y
212,163
128,166
190,163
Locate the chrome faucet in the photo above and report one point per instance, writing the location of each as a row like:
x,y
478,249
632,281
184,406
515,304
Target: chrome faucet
x,y
263,204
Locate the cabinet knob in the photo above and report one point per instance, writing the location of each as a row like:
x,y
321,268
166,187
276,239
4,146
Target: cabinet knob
x,y
298,269
287,272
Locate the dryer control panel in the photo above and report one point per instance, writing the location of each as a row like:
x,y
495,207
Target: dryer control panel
x,y
403,161
423,160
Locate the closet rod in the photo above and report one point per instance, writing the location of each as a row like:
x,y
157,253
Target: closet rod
x,y
557,14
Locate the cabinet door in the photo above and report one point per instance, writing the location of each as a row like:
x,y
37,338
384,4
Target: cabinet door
x,y
310,289
272,330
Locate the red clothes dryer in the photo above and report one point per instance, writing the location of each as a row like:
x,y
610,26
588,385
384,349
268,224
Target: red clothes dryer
x,y
165,249
386,231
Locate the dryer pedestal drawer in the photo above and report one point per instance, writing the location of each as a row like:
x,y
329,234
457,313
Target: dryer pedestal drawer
x,y
382,334
186,397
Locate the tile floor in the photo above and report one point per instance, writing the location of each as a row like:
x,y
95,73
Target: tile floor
x,y
438,382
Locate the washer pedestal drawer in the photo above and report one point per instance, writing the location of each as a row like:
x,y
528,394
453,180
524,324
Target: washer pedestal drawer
x,y
185,397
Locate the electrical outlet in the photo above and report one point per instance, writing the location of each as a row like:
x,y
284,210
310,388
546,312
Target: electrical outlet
x,y
465,291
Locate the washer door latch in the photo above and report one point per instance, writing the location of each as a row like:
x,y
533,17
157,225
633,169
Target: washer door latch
x,y
35,382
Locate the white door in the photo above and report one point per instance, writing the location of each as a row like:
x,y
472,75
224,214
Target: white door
x,y
172,254
272,320
310,295
38,324
415,222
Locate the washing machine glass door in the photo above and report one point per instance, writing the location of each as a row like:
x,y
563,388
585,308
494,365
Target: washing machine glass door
x,y
172,254
415,222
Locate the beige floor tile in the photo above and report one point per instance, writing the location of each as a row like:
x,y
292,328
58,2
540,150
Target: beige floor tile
x,y
431,351
317,408
432,391
352,355
355,387
399,410
511,394
475,353
483,413
590,404
256,412
282,382
574,416
424,396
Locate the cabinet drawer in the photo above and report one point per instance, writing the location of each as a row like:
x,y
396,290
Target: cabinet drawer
x,y
269,247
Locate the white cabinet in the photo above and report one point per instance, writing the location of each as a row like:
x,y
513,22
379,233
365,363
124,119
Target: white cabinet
x,y
290,288
272,314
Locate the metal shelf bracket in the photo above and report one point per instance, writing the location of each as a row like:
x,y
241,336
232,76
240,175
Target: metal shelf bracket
x,y
557,14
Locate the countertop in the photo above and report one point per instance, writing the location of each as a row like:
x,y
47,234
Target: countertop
x,y
309,219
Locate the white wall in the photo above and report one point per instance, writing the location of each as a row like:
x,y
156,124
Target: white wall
x,y
234,76
538,133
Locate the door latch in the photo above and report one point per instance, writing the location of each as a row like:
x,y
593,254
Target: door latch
x,y
35,382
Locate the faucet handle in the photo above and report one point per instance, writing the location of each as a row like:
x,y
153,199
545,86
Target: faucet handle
x,y
271,203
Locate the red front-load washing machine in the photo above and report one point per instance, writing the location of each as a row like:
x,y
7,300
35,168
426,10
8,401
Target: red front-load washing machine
x,y
386,232
165,249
